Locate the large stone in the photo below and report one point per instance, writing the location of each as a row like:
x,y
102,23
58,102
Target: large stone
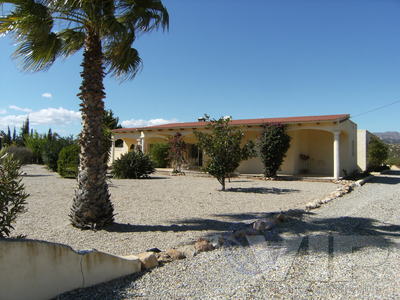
x,y
279,218
175,254
163,257
148,260
217,241
188,250
263,225
203,245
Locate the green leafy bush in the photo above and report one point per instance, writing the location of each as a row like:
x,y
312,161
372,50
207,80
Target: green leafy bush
x,y
394,155
36,144
176,152
133,165
22,154
159,155
68,161
12,192
273,145
378,153
52,149
223,147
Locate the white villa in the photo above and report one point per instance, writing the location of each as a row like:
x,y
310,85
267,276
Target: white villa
x,y
327,145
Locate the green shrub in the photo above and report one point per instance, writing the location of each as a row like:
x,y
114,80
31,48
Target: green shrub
x,y
223,146
394,155
52,149
36,143
12,192
159,155
273,145
68,161
22,154
134,165
378,153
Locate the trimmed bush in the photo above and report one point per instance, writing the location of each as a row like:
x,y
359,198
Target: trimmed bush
x,y
12,192
273,145
133,165
159,155
22,154
68,161
378,153
223,146
52,149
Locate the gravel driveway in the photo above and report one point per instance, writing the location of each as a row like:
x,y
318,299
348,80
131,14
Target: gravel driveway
x,y
162,212
348,249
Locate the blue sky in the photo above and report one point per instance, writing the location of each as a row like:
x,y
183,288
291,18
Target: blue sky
x,y
247,59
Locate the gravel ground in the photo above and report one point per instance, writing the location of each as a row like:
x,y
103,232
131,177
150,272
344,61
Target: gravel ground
x,y
161,212
348,249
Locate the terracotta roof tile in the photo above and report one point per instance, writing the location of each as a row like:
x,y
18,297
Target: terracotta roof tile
x,y
287,120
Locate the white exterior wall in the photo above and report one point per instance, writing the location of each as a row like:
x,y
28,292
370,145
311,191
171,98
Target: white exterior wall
x,y
363,139
42,270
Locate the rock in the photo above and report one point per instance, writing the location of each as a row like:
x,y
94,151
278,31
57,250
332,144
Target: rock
x,y
240,233
259,225
326,200
279,218
217,241
312,205
163,257
188,250
203,245
175,254
148,260
155,250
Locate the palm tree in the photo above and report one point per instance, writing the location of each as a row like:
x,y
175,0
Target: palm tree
x,y
105,29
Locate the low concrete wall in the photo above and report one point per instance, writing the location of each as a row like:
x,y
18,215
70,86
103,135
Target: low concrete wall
x,y
41,270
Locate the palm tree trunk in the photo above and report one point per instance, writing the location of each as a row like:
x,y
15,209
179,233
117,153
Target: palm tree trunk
x,y
92,207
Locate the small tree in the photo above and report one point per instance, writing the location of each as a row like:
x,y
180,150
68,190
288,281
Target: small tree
x,y
159,154
68,161
223,147
394,155
12,193
177,149
378,153
273,145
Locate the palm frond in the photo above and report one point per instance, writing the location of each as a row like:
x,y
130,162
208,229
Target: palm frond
x,y
144,15
38,54
121,60
72,40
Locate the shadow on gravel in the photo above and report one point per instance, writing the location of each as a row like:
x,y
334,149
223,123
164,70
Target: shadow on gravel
x,y
385,179
36,175
262,190
393,172
355,232
121,288
183,225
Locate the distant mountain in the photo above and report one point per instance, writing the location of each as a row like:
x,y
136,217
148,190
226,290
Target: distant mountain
x,y
391,137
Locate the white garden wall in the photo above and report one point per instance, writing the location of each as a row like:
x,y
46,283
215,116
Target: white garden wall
x,y
41,270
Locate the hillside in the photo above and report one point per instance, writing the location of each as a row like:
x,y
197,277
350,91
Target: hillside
x,y
391,137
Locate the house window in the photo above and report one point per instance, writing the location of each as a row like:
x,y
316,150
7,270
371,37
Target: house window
x,y
353,152
119,143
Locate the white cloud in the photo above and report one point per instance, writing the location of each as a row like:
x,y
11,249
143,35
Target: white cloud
x,y
47,95
17,108
3,111
144,123
47,116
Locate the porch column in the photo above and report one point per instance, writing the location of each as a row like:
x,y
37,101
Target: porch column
x,y
336,154
112,148
142,141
